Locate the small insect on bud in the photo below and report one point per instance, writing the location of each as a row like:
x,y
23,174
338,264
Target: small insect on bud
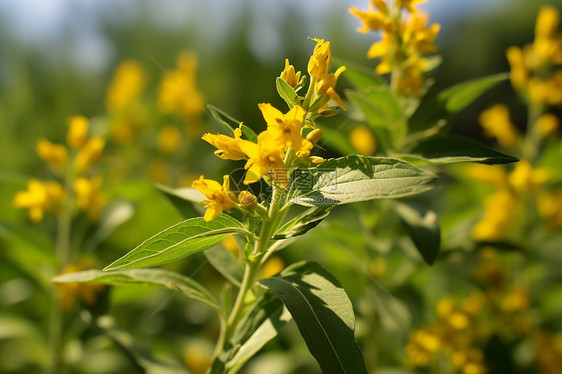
x,y
247,199
314,136
316,160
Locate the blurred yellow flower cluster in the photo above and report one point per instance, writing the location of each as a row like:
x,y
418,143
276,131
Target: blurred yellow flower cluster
x,y
70,165
451,336
405,39
123,100
535,69
87,293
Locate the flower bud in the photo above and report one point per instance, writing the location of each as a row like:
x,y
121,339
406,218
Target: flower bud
x,y
314,136
316,160
247,199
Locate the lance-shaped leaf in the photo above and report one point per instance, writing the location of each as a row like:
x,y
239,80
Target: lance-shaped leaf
x,y
324,316
423,227
301,224
229,124
361,78
181,240
287,92
449,149
144,277
186,200
461,95
357,178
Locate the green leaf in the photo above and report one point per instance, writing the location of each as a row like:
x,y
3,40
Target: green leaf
x,y
186,200
159,277
461,95
181,240
225,263
370,114
287,92
422,226
324,316
364,80
303,223
449,149
228,123
357,178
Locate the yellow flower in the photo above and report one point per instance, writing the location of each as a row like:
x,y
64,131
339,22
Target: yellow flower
x,y
198,357
289,75
178,91
500,208
128,82
493,175
266,158
515,300
372,20
549,205
420,348
231,244
273,266
497,124
169,139
53,154
230,148
526,178
320,59
89,153
519,74
416,36
286,128
39,197
327,85
86,292
363,141
88,197
77,131
220,198
247,199
409,4
546,125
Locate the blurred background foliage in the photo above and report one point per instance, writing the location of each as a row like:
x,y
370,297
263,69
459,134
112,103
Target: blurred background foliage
x,y
58,59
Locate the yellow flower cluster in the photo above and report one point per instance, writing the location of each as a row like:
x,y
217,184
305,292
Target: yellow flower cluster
x,y
403,43
503,207
535,70
66,162
449,336
178,93
496,123
282,146
122,100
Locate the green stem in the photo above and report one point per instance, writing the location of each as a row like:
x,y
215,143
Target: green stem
x,y
309,94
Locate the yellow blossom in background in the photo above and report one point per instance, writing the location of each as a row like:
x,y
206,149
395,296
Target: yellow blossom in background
x,y
515,300
88,196
169,139
220,197
493,175
158,172
526,178
87,293
420,348
320,59
38,198
363,141
499,210
549,205
129,79
89,153
77,134
470,361
377,267
497,124
546,125
518,74
231,244
198,357
289,75
405,39
273,266
178,92
53,154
